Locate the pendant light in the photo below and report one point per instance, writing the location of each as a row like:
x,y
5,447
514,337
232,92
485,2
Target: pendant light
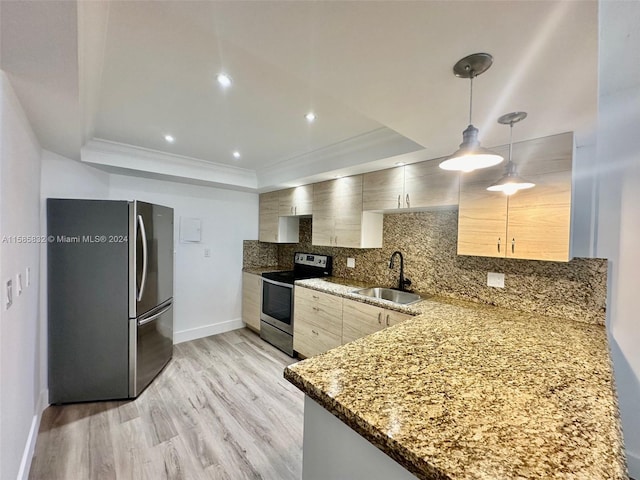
x,y
511,182
471,155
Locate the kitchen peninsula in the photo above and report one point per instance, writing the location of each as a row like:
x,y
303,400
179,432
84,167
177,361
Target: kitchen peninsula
x,y
465,390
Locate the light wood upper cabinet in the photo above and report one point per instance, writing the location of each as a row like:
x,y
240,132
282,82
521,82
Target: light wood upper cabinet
x,y
383,190
338,218
361,319
317,324
296,201
531,224
427,185
273,228
418,185
251,300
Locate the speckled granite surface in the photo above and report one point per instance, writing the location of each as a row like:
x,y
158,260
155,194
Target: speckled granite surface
x,y
574,290
259,254
261,270
466,391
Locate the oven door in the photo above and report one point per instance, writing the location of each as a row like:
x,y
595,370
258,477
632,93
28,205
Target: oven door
x,y
277,305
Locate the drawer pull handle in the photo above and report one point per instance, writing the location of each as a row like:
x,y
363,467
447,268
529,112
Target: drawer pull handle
x,y
408,203
399,201
387,320
316,309
315,297
498,244
295,210
314,332
380,318
513,246
291,209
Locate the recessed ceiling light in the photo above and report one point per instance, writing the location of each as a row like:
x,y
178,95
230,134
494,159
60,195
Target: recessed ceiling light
x,y
310,117
236,154
224,80
169,138
400,164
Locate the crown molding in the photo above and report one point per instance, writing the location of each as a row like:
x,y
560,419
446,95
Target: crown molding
x,y
156,164
367,147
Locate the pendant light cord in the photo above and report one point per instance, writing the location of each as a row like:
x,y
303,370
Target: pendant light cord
x,y
510,140
471,75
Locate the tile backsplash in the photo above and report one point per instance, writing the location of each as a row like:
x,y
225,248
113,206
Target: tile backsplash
x,y
427,240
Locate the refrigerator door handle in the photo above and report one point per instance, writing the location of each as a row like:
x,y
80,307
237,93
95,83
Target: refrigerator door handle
x,y
155,316
145,259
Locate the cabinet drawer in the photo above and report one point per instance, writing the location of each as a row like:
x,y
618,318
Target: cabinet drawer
x,y
320,309
310,340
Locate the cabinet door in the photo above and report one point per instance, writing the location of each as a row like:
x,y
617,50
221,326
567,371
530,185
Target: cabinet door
x,y
482,215
384,189
427,185
391,317
323,223
268,219
296,201
347,208
539,218
360,319
251,300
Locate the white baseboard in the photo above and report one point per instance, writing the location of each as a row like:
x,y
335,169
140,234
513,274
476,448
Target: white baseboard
x,y
30,446
207,330
633,464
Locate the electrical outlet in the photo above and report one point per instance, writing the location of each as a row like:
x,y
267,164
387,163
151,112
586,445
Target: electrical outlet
x,y
9,294
495,280
351,262
207,252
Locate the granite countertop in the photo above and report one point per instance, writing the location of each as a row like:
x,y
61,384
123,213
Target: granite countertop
x,y
261,270
467,391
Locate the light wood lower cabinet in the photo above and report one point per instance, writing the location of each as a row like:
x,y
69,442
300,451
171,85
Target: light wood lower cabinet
x,y
323,321
317,324
251,300
361,319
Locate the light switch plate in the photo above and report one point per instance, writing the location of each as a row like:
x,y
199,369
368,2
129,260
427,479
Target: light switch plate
x,y
351,262
495,280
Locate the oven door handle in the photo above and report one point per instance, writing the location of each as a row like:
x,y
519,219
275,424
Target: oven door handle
x,y
280,284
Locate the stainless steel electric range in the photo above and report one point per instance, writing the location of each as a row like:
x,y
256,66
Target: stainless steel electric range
x,y
276,316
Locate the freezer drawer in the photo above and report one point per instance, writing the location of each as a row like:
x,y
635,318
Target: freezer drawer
x,y
151,346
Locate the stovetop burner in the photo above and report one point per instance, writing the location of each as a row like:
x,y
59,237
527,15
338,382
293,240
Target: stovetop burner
x,y
305,265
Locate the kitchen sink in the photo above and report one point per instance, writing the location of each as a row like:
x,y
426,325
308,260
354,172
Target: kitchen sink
x,y
396,296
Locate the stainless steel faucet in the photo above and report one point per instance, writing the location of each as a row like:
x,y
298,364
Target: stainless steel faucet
x,y
402,282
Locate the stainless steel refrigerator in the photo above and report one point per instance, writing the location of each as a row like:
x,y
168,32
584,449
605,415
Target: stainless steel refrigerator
x,y
110,297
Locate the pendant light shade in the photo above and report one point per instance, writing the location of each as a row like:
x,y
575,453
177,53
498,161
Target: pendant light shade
x,y
471,155
511,182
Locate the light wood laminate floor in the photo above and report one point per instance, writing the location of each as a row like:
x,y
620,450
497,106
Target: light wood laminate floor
x,y
221,409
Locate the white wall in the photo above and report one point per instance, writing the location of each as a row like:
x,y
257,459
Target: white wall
x,y
20,331
618,160
207,291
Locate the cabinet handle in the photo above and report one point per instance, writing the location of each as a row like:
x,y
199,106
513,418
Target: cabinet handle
x,y
387,320
291,209
498,244
314,332
295,210
315,297
380,318
336,239
408,203
330,239
513,246
399,200
316,309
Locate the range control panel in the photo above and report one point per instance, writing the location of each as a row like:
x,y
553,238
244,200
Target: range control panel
x,y
311,260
